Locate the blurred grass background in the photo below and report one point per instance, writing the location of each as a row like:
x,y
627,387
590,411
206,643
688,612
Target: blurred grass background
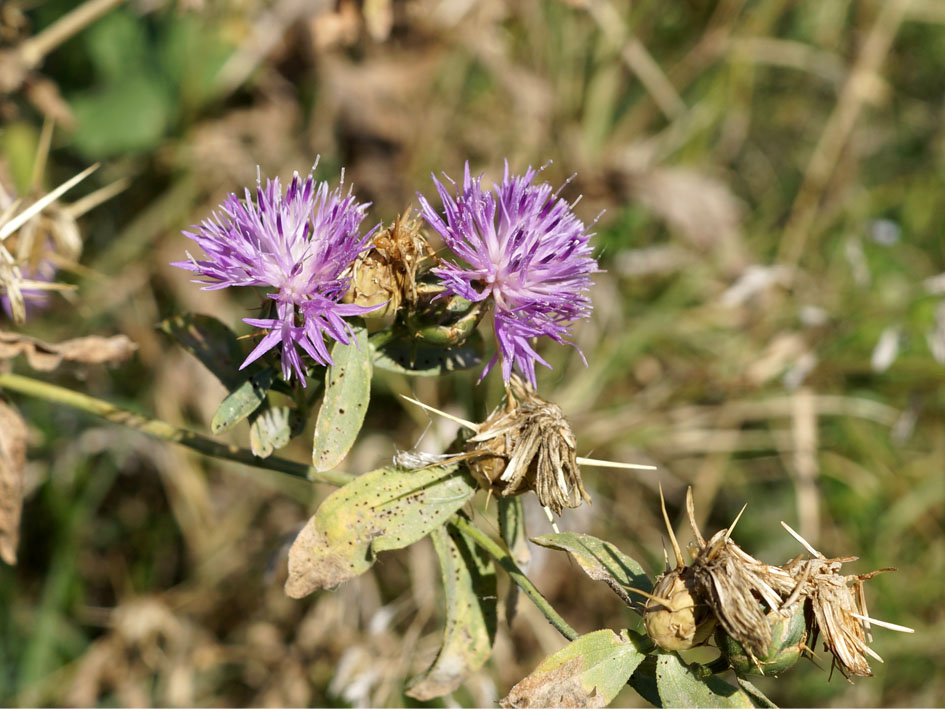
x,y
770,327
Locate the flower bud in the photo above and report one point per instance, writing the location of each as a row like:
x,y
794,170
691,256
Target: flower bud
x,y
679,620
788,635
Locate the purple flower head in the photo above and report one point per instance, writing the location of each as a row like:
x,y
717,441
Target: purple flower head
x,y
526,250
300,244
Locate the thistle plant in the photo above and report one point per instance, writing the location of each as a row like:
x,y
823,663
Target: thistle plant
x,y
340,299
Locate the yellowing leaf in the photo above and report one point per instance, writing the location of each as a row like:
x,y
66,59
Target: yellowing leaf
x,y
384,509
588,672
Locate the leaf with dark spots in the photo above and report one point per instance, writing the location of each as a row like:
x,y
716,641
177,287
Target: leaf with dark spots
x,y
347,394
12,466
588,672
243,400
602,561
470,588
381,510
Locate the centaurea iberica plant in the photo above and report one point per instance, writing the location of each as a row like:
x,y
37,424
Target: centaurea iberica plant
x,y
302,244
527,252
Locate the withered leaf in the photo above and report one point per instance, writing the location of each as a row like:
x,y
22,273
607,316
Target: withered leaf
x,y
588,672
46,356
381,510
12,465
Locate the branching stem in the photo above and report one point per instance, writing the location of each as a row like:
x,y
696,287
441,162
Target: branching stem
x,y
159,429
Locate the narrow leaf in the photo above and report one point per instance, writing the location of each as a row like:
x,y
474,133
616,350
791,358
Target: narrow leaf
x,y
270,431
410,356
759,698
210,341
602,561
588,672
347,394
243,400
680,686
12,465
384,509
470,588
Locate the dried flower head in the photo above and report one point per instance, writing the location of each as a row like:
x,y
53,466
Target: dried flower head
x,y
302,245
526,252
527,444
385,275
740,589
837,608
725,584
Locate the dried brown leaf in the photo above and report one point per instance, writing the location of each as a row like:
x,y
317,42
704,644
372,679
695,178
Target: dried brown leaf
x,y
46,356
12,465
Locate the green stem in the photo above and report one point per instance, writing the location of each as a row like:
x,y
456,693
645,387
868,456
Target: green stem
x,y
207,446
488,545
159,429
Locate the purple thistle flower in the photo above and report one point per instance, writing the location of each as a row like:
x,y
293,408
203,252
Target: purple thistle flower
x,y
302,245
527,251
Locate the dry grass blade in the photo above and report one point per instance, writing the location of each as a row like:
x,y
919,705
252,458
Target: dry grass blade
x,y
12,464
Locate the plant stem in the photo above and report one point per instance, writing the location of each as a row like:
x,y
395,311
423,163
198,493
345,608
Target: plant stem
x,y
207,446
160,429
486,543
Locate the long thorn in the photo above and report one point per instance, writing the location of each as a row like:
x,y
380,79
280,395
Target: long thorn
x,y
803,541
691,513
680,562
883,623
43,202
612,464
728,532
457,419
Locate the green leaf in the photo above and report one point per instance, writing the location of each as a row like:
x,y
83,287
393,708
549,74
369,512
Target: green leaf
x,y
588,672
130,116
210,341
470,587
271,431
759,699
412,357
680,686
602,561
347,394
511,516
243,400
384,509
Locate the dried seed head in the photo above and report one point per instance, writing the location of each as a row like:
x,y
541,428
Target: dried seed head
x,y
837,607
527,444
677,618
387,272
